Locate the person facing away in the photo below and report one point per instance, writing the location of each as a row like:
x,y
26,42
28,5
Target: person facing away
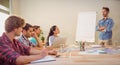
x,y
12,52
104,27
37,40
53,33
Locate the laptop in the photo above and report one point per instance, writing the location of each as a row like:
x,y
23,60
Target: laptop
x,y
58,41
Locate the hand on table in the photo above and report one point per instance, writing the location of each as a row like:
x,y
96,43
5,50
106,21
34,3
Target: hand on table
x,y
52,52
44,52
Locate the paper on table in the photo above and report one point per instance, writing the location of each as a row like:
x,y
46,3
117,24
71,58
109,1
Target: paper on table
x,y
93,52
89,53
45,59
96,46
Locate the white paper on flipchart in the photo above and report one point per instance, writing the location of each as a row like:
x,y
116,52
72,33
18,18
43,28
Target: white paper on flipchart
x,y
86,26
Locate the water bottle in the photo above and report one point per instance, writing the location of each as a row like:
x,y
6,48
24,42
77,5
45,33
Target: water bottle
x,y
82,46
61,48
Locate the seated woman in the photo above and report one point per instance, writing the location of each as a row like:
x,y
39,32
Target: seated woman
x,y
27,32
54,31
37,40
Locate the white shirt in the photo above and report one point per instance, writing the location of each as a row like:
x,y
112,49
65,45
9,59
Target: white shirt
x,y
51,39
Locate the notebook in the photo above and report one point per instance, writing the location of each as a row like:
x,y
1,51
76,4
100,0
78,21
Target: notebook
x,y
45,59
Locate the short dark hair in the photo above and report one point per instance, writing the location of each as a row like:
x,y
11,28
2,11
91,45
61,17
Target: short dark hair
x,y
27,26
106,8
35,27
13,22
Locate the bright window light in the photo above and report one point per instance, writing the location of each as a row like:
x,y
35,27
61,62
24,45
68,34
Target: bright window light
x,y
3,17
4,8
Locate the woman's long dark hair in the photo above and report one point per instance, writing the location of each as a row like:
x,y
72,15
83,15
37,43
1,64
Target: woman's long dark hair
x,y
51,32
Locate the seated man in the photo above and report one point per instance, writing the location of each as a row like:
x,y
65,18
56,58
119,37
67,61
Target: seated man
x,y
27,32
12,52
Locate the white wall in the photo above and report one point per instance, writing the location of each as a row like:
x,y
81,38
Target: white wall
x,y
15,7
64,13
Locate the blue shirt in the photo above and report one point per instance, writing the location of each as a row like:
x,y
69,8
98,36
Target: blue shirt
x,y
107,33
33,40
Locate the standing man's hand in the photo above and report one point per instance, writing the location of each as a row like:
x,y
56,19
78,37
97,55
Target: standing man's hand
x,y
102,28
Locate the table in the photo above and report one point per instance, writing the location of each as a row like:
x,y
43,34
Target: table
x,y
78,59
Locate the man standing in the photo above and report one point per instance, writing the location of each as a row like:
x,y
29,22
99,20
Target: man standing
x,y
12,52
104,27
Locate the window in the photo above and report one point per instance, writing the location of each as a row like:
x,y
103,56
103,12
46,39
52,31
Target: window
x,y
4,13
3,17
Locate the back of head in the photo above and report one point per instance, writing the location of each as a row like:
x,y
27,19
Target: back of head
x,y
13,22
